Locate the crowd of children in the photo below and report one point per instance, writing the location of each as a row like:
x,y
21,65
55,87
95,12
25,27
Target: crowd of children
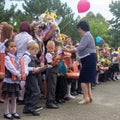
x,y
34,66
29,69
108,64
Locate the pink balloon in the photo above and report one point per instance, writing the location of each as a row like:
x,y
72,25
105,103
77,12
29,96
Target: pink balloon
x,y
83,6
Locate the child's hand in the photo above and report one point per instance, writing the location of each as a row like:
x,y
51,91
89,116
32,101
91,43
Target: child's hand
x,y
2,75
24,77
65,49
19,77
58,57
37,69
42,64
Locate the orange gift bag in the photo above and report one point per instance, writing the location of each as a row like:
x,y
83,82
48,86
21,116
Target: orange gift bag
x,y
2,61
13,62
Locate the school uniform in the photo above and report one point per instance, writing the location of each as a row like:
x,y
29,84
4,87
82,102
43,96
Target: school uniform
x,y
11,87
32,89
51,81
61,86
21,41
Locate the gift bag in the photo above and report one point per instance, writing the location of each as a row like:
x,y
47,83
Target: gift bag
x,y
2,61
13,62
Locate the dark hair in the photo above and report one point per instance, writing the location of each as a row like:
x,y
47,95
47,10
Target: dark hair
x,y
83,25
14,30
24,27
73,55
7,43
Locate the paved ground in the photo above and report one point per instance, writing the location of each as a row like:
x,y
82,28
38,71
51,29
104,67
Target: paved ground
x,y
106,106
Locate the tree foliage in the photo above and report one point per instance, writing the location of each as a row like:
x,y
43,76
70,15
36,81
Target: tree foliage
x,y
98,26
115,22
6,15
32,9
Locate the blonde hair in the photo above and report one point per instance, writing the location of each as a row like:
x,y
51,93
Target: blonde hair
x,y
32,45
50,43
105,45
4,23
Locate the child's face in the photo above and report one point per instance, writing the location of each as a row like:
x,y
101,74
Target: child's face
x,y
11,48
33,51
51,48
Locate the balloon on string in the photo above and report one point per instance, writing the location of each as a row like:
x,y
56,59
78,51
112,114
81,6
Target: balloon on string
x,y
83,6
101,41
98,39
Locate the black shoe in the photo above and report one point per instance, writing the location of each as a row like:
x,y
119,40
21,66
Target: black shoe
x,y
20,102
59,101
35,112
56,103
16,115
66,98
52,105
25,111
80,92
8,116
63,101
74,93
38,108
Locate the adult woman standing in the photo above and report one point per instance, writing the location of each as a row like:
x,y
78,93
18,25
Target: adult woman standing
x,y
87,53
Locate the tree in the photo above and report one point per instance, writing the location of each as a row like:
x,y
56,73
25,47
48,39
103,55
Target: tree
x,y
98,26
115,23
6,15
34,8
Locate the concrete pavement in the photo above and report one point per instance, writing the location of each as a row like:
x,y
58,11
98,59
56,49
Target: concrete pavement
x,y
106,106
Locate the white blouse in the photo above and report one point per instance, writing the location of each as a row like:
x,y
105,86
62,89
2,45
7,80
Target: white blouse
x,y
11,68
22,40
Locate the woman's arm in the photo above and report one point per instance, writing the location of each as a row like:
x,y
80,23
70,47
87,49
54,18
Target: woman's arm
x,y
71,50
49,34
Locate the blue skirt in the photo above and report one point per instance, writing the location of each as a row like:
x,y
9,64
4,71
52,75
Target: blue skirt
x,y
88,71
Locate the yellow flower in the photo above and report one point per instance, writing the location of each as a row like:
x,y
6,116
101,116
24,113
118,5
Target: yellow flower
x,y
53,15
118,49
62,36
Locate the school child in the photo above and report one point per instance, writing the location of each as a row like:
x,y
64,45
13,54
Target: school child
x,y
61,82
69,62
11,87
61,85
51,74
32,89
21,39
115,65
